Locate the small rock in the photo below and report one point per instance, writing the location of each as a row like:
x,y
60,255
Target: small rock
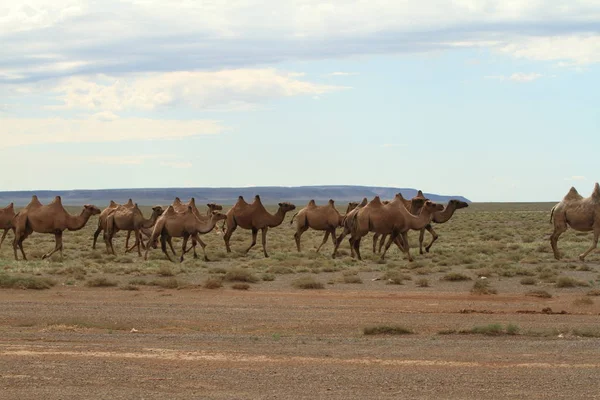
x,y
133,330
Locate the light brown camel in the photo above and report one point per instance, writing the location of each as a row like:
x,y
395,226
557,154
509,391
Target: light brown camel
x,y
181,224
320,218
347,226
51,218
440,217
254,216
6,216
102,221
392,219
413,205
211,207
579,213
124,218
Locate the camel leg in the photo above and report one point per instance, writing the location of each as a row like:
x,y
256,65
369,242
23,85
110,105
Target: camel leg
x,y
421,237
297,236
338,241
375,238
138,242
593,246
17,243
96,234
356,246
254,233
4,236
183,251
196,238
559,229
227,235
163,246
127,240
404,242
392,239
57,245
382,242
433,239
264,240
325,238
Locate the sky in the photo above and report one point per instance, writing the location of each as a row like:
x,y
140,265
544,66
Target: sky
x,y
491,100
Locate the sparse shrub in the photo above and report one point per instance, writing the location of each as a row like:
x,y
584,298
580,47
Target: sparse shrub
x,y
169,283
240,275
352,278
268,277
217,270
240,286
394,277
307,282
593,292
100,281
212,283
455,277
528,281
386,330
137,281
593,332
483,287
279,269
28,282
491,329
567,282
130,287
422,282
512,329
539,293
583,301
165,270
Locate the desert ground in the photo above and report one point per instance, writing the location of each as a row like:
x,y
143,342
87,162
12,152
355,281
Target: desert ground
x,y
487,314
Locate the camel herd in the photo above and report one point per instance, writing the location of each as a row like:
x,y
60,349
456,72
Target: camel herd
x,y
389,221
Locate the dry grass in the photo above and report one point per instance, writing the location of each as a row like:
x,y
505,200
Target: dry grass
x,y
101,281
307,282
25,282
387,330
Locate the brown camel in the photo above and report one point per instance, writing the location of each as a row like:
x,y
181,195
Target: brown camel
x,y
6,216
51,218
320,218
128,219
102,221
579,213
211,207
413,205
440,217
181,224
254,216
347,227
392,219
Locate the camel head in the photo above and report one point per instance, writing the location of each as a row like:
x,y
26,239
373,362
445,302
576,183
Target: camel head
x,y
432,207
458,204
285,207
214,207
91,209
218,216
157,210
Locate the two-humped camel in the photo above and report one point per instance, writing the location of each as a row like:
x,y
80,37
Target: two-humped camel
x,y
128,219
178,206
320,218
50,218
392,219
413,205
254,217
578,212
184,224
347,226
102,221
6,217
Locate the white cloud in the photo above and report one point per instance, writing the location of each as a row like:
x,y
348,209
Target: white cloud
x,y
23,131
576,178
520,77
227,89
339,73
570,50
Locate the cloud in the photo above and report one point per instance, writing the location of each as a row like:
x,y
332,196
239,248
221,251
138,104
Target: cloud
x,y
520,77
342,74
576,178
568,50
23,131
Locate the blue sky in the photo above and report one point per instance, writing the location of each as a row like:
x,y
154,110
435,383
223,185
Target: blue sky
x,y
492,100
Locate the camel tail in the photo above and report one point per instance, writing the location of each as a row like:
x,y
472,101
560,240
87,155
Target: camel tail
x,y
552,213
293,216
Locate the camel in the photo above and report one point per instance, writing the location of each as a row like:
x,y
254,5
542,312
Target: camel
x,y
579,213
102,221
413,205
320,218
392,219
254,216
181,224
124,218
347,226
6,216
178,206
440,217
50,218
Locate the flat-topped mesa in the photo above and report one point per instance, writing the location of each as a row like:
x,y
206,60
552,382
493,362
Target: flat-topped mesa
x,y
581,214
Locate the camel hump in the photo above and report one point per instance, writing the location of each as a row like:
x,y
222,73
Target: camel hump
x,y
573,194
129,202
57,200
112,204
363,202
189,210
376,201
192,202
331,202
420,195
257,198
169,211
595,193
312,203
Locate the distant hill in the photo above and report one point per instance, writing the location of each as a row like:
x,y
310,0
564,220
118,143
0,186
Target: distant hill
x,y
299,195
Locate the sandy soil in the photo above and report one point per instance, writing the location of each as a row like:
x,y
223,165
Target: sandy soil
x,y
107,343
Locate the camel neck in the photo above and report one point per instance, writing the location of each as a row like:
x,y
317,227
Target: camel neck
x,y
275,219
445,214
75,223
418,222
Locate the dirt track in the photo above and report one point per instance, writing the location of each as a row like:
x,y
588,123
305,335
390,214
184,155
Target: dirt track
x,y
73,342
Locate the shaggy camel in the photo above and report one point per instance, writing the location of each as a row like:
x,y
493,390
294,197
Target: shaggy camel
x,y
6,216
254,216
320,218
413,205
102,221
181,224
579,213
50,218
128,219
392,219
347,227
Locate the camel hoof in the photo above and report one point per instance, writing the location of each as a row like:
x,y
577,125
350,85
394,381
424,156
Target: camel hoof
x,y
581,258
44,256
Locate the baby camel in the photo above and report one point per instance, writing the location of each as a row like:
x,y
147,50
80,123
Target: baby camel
x,y
50,218
254,216
6,216
579,213
320,218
